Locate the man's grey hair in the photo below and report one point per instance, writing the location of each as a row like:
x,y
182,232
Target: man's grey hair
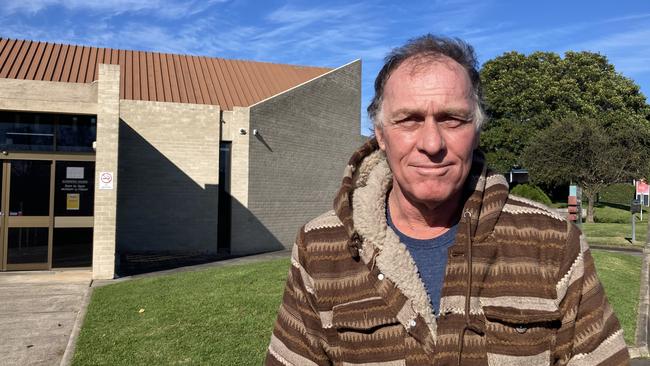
x,y
430,47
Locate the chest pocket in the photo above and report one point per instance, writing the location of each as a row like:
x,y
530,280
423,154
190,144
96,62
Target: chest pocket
x,y
520,337
368,331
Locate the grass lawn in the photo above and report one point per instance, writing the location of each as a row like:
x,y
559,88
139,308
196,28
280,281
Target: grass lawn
x,y
613,226
224,316
621,275
602,233
220,316
604,212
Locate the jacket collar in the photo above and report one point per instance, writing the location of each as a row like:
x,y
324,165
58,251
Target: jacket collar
x,y
360,205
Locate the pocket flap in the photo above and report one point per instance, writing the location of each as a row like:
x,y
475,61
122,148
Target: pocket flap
x,y
512,315
363,314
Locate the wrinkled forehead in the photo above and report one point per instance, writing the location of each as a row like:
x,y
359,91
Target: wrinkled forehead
x,y
428,67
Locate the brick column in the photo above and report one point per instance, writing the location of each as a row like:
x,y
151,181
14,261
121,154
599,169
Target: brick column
x,y
108,122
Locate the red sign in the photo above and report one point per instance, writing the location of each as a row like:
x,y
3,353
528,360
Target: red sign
x,y
642,187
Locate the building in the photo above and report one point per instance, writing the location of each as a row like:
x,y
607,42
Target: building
x,y
111,152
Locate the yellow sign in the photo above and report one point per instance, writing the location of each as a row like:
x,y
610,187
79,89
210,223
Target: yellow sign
x,y
72,202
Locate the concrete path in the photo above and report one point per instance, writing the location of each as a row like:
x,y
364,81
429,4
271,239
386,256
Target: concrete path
x,y
37,313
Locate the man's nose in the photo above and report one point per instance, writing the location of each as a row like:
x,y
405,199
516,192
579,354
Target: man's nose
x,y
430,140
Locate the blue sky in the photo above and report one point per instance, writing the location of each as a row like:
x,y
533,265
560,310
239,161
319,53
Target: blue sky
x,y
333,33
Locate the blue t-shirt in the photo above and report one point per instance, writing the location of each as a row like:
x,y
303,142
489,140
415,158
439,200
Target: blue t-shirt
x,y
430,256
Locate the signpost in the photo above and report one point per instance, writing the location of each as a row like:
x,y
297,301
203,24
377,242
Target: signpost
x,y
642,194
635,207
575,204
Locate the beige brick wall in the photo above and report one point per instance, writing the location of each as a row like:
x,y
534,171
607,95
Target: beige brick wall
x,y
296,163
48,96
169,171
108,113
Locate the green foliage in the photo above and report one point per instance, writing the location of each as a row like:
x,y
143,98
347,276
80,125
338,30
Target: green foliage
x,y
621,193
524,94
219,316
584,151
531,192
620,275
618,213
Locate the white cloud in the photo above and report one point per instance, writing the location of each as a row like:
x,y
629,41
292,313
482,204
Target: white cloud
x,y
163,8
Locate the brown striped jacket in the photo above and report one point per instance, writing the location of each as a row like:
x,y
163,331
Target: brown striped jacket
x,y
519,287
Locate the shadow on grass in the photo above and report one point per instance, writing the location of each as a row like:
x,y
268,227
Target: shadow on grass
x,y
613,205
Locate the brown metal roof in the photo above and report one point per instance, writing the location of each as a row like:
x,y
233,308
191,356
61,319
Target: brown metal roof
x,y
155,76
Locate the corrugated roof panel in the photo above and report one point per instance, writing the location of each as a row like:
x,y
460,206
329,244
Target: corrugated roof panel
x,y
205,94
83,64
4,50
245,81
154,76
173,80
238,98
38,59
45,61
262,88
252,84
66,64
180,80
282,77
11,61
187,78
196,84
26,61
90,65
293,75
128,75
51,64
212,94
269,75
166,81
151,78
141,68
224,82
157,73
58,63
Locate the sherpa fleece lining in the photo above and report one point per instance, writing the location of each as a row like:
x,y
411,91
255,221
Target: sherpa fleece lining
x,y
393,259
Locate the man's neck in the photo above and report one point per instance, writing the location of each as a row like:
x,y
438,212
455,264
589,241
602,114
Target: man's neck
x,y
422,221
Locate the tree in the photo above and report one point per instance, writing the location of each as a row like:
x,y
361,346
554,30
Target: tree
x,y
584,151
526,94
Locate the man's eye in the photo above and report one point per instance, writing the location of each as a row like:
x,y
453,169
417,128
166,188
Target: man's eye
x,y
453,122
406,123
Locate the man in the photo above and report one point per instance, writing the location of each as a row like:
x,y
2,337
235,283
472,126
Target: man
x,y
426,258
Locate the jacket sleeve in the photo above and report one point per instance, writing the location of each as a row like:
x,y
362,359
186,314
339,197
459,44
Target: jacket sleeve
x,y
297,336
591,330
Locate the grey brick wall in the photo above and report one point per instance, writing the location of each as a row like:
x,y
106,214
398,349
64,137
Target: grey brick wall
x,y
306,136
169,171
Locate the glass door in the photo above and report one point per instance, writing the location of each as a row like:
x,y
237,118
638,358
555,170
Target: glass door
x,y
26,208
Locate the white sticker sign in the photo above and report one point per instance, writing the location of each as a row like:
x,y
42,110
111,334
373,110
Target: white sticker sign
x,y
73,172
105,180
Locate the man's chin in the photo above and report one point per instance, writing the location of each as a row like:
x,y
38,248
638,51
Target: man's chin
x,y
432,198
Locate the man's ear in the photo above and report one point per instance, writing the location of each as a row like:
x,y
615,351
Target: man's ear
x,y
477,139
379,134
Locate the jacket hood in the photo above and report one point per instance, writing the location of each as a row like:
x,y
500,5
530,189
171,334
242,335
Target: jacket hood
x,y
361,205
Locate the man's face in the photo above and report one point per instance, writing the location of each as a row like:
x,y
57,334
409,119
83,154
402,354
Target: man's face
x,y
428,135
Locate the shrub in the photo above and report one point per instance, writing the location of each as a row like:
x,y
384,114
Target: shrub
x,y
621,193
531,192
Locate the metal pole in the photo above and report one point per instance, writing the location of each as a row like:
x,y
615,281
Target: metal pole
x,y
647,238
633,229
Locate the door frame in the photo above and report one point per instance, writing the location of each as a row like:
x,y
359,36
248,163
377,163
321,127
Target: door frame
x,y
7,222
